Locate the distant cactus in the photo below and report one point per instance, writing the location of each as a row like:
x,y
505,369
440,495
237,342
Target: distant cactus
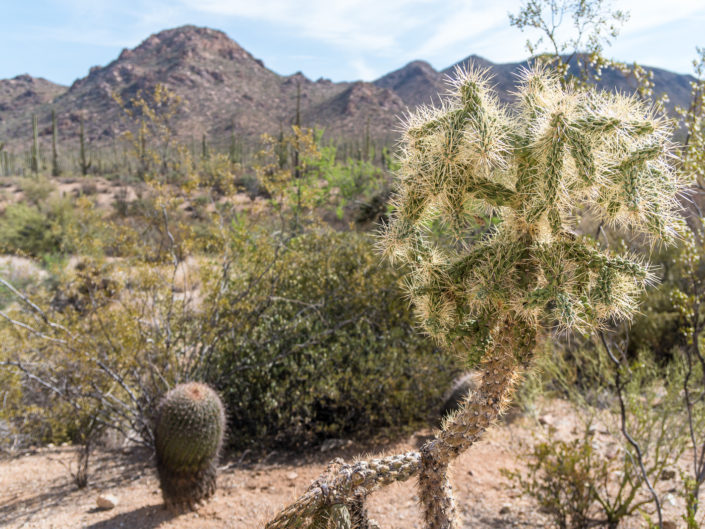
x,y
188,436
55,169
558,153
34,153
83,161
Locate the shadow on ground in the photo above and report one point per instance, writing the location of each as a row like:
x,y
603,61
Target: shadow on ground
x,y
107,470
148,517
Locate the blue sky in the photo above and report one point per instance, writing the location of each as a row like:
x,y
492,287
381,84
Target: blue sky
x,y
339,39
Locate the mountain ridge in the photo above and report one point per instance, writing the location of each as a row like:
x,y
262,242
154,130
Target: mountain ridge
x,y
225,89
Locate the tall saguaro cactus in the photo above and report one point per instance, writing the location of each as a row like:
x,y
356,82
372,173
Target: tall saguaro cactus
x,y
55,168
34,153
533,167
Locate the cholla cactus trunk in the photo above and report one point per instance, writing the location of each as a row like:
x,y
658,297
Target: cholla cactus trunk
x,y
511,350
534,170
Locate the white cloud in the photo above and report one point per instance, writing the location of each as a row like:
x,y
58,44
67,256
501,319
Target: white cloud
x,y
646,15
363,25
464,22
364,71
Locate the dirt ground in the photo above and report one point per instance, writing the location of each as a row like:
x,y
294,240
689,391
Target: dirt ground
x,y
36,491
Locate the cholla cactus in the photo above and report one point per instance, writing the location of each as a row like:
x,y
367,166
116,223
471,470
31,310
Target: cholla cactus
x,y
533,167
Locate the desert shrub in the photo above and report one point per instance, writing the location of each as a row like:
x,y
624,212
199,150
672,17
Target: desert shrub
x,y
325,347
28,230
57,226
36,190
595,478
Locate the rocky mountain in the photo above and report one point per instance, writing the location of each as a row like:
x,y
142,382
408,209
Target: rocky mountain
x,y
418,83
19,97
222,86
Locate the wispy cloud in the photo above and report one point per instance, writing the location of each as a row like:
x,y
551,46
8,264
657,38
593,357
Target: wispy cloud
x,y
464,22
647,15
339,38
362,25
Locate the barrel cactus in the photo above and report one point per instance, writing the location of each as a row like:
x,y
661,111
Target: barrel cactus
x,y
188,436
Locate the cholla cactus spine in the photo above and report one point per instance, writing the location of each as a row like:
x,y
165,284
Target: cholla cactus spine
x,y
534,167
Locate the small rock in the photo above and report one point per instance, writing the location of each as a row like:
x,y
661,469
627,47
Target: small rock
x,y
545,420
332,444
668,524
105,502
668,474
505,509
291,476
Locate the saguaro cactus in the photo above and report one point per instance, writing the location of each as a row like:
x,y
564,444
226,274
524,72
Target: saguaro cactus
x,y
83,160
557,153
188,436
34,153
55,169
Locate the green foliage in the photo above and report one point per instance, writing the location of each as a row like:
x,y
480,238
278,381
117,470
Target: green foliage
x,y
36,191
58,226
324,347
27,230
596,477
188,436
594,25
561,477
149,116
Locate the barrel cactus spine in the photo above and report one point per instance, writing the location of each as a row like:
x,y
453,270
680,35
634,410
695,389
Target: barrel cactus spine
x,y
188,436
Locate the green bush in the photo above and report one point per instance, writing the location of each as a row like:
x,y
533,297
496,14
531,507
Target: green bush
x,y
28,230
325,348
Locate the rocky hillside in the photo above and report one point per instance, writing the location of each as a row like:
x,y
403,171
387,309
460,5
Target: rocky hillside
x,y
223,86
418,83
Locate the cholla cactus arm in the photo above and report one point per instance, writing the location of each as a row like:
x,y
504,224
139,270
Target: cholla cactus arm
x,y
558,152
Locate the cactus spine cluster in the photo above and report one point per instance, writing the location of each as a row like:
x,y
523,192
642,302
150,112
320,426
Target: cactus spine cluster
x,y
188,436
559,152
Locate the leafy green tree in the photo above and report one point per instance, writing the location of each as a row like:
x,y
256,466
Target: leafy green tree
x,y
592,24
